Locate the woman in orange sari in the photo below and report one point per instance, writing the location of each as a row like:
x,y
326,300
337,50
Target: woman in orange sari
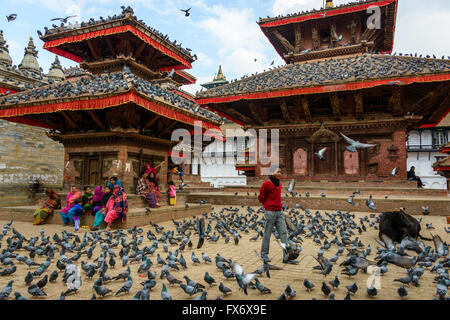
x,y
53,203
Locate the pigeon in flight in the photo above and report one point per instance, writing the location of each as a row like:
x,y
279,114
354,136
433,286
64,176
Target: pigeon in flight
x,y
63,20
321,154
11,17
187,13
394,172
171,73
356,144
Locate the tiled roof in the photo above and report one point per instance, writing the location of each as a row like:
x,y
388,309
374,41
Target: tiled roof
x,y
92,86
332,71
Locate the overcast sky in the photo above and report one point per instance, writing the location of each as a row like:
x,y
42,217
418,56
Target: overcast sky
x,y
218,31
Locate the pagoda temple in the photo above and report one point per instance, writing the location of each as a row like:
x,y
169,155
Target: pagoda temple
x,y
340,77
218,80
120,112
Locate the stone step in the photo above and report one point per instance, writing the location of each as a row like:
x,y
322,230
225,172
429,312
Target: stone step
x,y
437,206
135,217
134,201
346,190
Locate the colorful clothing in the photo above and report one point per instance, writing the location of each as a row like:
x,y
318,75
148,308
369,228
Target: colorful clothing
x,y
118,183
172,195
53,202
149,191
117,206
87,200
70,201
101,210
98,195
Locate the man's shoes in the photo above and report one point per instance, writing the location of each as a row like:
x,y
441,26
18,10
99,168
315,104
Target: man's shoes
x,y
291,261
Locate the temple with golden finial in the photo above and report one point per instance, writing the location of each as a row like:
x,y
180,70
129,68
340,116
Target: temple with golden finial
x,y
219,80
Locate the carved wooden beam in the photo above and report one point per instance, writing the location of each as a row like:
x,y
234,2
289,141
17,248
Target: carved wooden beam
x,y
298,38
140,49
70,120
430,95
396,101
285,111
93,51
238,115
168,128
255,113
110,46
441,109
286,44
151,121
306,110
359,106
334,99
96,119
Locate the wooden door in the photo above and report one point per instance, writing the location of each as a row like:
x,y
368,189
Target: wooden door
x,y
93,172
324,167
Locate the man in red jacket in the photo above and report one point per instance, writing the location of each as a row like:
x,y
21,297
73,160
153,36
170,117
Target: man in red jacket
x,y
270,197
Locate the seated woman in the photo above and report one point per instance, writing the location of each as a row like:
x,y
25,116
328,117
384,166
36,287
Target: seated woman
x,y
70,200
117,207
412,177
53,202
97,199
101,210
113,182
147,188
87,200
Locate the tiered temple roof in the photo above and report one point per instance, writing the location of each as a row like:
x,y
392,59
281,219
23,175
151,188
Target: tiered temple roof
x,y
29,74
335,30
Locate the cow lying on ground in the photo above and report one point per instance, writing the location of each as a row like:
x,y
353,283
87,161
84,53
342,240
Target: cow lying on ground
x,y
396,225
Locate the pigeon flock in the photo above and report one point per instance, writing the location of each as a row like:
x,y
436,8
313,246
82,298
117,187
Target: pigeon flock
x,y
117,82
66,25
163,261
330,71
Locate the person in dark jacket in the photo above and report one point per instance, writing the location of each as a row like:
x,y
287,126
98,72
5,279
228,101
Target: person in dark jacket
x,y
270,198
412,177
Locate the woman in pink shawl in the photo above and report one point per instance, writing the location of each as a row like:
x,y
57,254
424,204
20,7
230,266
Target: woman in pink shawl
x,y
70,200
149,169
117,207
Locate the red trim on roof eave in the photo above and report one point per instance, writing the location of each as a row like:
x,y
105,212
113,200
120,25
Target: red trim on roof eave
x,y
323,89
245,168
54,44
224,115
442,169
446,150
437,122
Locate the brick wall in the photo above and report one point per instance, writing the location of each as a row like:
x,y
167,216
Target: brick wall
x,y
26,153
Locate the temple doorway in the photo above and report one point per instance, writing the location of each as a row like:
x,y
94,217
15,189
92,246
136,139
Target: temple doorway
x,y
300,160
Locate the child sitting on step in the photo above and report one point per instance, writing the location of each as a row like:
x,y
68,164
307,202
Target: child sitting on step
x,y
172,194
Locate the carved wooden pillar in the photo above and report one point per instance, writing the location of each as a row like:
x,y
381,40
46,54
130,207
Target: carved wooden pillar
x,y
359,107
336,158
315,38
298,38
285,111
334,99
396,101
312,159
306,110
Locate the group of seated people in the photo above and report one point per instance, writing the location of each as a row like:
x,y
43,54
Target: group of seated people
x,y
107,204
